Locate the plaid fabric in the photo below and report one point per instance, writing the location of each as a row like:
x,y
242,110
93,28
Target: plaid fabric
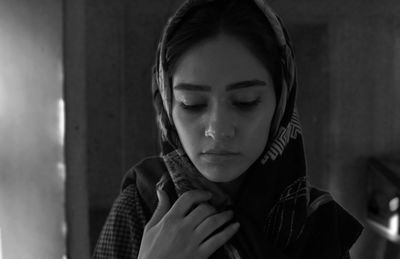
x,y
122,233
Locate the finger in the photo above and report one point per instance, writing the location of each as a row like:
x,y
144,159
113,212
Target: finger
x,y
200,213
216,241
162,208
187,201
211,224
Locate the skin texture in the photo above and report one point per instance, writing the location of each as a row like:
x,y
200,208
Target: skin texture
x,y
175,231
218,118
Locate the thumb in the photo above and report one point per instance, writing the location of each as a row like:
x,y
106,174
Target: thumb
x,y
162,208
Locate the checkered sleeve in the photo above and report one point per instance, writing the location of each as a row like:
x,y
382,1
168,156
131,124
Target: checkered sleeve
x,y
122,233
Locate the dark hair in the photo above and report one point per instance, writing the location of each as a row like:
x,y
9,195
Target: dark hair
x,y
241,19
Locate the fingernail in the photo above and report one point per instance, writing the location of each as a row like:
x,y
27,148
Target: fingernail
x,y
158,194
159,185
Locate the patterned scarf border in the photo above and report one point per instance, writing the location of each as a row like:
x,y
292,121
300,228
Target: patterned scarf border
x,y
285,134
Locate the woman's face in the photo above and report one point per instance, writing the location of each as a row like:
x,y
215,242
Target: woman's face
x,y
223,104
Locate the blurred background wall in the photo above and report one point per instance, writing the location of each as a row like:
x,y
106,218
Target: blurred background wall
x,y
32,169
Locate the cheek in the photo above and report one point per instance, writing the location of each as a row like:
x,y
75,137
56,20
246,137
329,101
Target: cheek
x,y
256,131
187,127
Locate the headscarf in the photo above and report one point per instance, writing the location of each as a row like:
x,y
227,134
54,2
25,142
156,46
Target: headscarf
x,y
277,179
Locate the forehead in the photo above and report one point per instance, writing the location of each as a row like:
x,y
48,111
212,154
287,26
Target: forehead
x,y
219,62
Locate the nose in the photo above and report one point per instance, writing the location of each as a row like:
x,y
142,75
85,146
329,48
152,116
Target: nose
x,y
220,124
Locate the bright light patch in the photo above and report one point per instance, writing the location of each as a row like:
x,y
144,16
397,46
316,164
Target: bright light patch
x,y
64,228
61,171
391,232
61,121
394,204
394,225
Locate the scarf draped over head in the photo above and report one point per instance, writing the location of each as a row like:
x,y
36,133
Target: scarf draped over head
x,y
278,175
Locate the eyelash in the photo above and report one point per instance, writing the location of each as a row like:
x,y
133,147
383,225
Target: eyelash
x,y
245,106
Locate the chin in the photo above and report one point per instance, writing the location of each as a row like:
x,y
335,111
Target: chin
x,y
220,176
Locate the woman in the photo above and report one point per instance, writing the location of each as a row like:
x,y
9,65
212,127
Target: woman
x,y
231,179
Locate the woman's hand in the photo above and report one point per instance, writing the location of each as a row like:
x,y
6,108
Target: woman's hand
x,y
183,230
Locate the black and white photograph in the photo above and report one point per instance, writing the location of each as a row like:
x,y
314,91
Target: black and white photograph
x,y
196,129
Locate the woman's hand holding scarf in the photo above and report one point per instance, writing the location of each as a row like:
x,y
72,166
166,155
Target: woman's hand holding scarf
x,y
187,229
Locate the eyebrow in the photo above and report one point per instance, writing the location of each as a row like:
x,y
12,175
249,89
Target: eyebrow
x,y
230,87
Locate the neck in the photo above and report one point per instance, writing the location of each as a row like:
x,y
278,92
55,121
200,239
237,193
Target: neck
x,y
232,188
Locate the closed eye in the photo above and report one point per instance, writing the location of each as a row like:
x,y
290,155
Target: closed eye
x,y
199,107
192,107
247,105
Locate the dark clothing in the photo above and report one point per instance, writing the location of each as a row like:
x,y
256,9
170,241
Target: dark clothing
x,y
329,231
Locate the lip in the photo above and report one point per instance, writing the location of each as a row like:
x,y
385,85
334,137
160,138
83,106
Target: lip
x,y
219,151
220,156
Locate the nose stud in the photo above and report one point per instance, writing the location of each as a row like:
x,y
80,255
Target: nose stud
x,y
213,134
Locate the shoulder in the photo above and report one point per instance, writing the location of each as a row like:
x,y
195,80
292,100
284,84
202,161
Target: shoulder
x,y
147,170
121,234
329,231
145,175
324,210
139,180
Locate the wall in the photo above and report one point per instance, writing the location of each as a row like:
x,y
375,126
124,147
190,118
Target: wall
x,y
121,40
32,170
74,45
104,64
366,113
361,93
